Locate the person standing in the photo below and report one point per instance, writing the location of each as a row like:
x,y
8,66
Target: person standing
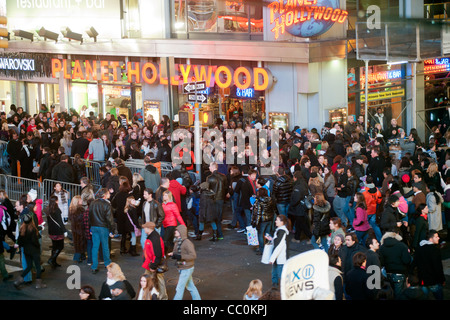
x,y
357,278
262,217
151,211
376,167
361,224
428,261
218,183
321,222
282,190
297,209
118,203
185,254
76,218
342,199
102,225
373,259
280,248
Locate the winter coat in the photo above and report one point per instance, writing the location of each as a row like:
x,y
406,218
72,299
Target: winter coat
x,y
177,190
389,218
299,192
375,169
98,149
360,223
76,219
394,254
329,187
151,177
29,242
207,208
118,203
87,196
427,259
421,231
434,211
263,211
280,246
155,213
153,251
172,215
356,284
63,205
321,220
55,224
63,172
282,189
347,254
246,189
373,198
184,250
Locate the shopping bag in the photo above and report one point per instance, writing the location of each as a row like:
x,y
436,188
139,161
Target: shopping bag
x,y
268,248
252,236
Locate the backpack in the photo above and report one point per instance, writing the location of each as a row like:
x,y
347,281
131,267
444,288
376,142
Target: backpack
x,y
5,218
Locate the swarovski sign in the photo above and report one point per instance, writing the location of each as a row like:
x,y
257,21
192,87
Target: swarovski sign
x,y
17,64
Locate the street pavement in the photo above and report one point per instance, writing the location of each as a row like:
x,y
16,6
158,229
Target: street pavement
x,y
223,270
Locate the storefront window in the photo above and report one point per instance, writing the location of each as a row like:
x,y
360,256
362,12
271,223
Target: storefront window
x,y
216,16
117,100
84,94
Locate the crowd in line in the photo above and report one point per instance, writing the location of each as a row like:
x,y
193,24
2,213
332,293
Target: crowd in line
x,y
340,190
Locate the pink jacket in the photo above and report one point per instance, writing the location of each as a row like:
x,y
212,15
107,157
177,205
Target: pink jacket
x,y
360,223
403,206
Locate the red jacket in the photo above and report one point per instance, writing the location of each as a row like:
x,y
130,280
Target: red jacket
x,y
372,199
177,190
172,215
152,249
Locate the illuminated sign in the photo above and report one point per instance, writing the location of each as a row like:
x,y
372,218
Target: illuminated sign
x,y
224,77
246,93
383,76
384,95
17,64
305,18
436,65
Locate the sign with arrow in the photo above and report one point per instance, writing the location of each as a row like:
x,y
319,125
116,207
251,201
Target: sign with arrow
x,y
191,87
199,97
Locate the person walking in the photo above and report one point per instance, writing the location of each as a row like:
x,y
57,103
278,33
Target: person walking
x,y
262,217
171,218
321,222
185,254
115,274
102,225
28,239
56,230
118,204
76,218
297,209
280,248
360,223
151,211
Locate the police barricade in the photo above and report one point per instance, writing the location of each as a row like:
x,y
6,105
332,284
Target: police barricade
x,y
135,165
15,187
166,167
92,169
73,189
4,158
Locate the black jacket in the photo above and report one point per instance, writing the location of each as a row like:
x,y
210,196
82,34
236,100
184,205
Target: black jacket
x,y
55,224
375,169
246,191
218,183
394,254
356,284
100,214
13,149
79,146
321,220
29,242
389,219
45,167
282,189
299,192
63,172
156,212
427,259
342,182
347,254
263,210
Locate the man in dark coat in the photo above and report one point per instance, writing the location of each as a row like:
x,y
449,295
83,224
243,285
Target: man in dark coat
x,y
282,191
376,167
427,259
45,168
218,183
352,246
246,188
79,145
297,207
123,170
64,171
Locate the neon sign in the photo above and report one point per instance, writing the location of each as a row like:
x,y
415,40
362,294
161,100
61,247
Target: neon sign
x,y
288,15
436,65
383,76
246,93
224,77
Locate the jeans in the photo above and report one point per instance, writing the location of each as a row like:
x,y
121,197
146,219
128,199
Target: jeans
x,y
28,276
185,281
133,239
276,273
283,208
32,259
323,242
362,236
219,208
398,283
436,290
373,223
248,217
263,228
100,235
237,212
339,204
349,211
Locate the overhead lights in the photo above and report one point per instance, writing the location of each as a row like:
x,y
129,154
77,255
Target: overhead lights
x,y
92,33
69,34
46,34
24,34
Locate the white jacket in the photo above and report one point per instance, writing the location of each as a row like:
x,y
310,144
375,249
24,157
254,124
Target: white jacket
x,y
279,253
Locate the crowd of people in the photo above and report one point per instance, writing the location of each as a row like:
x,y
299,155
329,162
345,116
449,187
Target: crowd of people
x,y
339,190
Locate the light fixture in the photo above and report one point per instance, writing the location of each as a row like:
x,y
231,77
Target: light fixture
x,y
396,62
48,34
92,33
23,34
67,33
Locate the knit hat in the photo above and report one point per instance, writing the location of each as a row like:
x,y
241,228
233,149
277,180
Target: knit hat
x,y
406,178
33,194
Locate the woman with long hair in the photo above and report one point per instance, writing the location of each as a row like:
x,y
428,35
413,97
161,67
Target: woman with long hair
x,y
361,223
66,142
254,291
434,202
76,218
148,285
280,251
421,223
118,203
321,222
131,212
87,293
56,230
28,240
171,218
63,201
114,274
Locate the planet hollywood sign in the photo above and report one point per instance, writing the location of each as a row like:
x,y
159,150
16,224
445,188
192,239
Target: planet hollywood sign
x,y
305,18
223,76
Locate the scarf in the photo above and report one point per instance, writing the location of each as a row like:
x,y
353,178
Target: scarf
x,y
63,196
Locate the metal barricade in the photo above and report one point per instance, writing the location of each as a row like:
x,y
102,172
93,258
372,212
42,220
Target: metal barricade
x,y
92,170
72,188
166,167
135,165
15,187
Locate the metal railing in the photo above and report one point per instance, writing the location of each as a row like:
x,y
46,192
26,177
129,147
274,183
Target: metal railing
x,y
72,188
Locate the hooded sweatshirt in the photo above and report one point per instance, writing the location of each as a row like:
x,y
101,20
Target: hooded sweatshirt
x,y
152,178
184,250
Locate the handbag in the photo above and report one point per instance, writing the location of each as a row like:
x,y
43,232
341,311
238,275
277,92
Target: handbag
x,y
268,249
252,236
163,267
137,231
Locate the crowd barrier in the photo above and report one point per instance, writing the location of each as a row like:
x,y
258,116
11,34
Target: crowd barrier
x,y
15,187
